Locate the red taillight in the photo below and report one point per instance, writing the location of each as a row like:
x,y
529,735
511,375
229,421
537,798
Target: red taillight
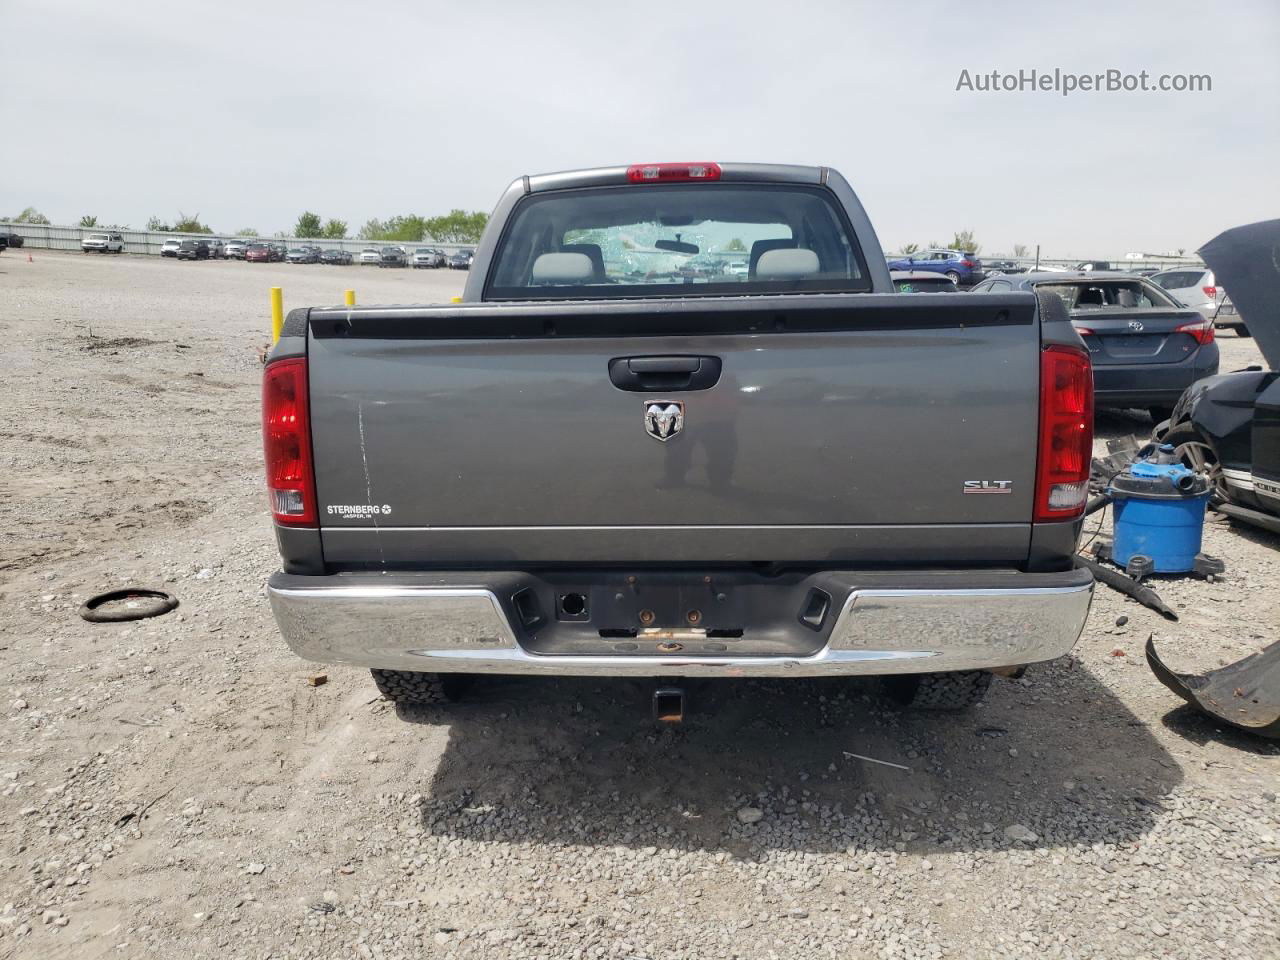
x,y
1202,330
1211,292
672,172
966,263
1066,434
1084,331
286,440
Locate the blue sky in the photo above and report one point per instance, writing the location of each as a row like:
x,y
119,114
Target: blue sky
x,y
249,114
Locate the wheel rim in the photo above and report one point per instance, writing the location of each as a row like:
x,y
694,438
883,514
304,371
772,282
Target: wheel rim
x,y
1198,456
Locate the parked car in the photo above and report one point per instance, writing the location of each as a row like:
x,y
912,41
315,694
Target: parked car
x,y
193,250
921,281
336,257
964,269
1193,287
217,249
1146,347
12,239
235,249
737,268
1228,426
170,247
1002,266
279,252
427,258
480,548
259,253
1091,266
4,242
392,257
370,255
110,242
461,260
302,255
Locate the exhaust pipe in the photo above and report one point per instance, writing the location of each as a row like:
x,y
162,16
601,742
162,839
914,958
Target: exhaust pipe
x,y
668,706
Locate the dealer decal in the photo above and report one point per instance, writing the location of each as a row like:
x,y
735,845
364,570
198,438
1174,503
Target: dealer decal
x,y
354,510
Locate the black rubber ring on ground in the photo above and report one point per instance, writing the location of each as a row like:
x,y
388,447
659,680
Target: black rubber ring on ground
x,y
161,603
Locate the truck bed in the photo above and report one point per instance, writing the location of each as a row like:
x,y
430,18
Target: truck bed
x,y
842,430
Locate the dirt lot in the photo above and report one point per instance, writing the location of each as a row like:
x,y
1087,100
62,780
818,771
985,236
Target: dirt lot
x,y
175,788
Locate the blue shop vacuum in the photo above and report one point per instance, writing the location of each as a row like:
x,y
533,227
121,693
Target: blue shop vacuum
x,y
1159,517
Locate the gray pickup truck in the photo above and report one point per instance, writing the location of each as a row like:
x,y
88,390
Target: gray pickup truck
x,y
622,454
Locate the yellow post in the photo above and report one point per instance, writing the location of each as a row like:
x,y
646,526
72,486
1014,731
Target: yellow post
x,y
351,298
277,313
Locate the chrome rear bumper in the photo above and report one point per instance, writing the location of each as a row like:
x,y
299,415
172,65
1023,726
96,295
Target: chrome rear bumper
x,y
458,623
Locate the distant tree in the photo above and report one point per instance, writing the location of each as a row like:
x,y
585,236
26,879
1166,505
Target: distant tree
x,y
457,226
909,248
156,225
1019,250
1181,251
308,225
372,230
965,242
190,224
334,229
88,221
735,246
246,232
31,215
409,228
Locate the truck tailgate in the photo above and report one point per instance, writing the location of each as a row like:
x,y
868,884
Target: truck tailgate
x,y
839,429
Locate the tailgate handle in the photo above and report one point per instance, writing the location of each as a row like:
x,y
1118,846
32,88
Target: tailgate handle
x,y
646,374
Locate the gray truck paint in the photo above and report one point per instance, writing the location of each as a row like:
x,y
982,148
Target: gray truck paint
x,y
839,436
802,431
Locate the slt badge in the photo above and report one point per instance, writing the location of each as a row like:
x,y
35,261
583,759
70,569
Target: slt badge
x,y
663,419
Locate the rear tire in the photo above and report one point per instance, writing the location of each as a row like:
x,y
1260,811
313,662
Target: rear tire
x,y
939,691
1196,454
411,687
955,277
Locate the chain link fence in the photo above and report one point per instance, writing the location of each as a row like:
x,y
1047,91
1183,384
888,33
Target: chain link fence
x,y
51,237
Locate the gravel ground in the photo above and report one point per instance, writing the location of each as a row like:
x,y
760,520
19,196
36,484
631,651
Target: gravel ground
x,y
176,787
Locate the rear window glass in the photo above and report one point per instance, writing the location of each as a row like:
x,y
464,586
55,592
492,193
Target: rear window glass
x,y
924,285
1178,279
1108,295
676,240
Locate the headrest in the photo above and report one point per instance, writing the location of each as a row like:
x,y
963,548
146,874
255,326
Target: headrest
x,y
760,248
787,264
562,268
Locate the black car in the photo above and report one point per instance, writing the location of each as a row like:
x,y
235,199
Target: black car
x,y
336,257
1146,347
461,260
193,250
11,239
1228,426
392,257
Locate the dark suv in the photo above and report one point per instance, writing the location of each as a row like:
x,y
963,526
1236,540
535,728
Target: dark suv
x,y
193,250
392,257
